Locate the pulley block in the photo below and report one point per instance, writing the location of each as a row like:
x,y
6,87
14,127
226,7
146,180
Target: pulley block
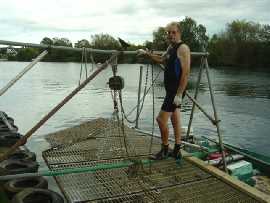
x,y
116,83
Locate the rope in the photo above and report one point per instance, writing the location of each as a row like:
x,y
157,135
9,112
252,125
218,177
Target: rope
x,y
92,61
116,109
84,63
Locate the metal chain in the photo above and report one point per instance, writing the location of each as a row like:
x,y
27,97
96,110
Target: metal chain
x,y
146,92
141,102
121,101
153,120
83,61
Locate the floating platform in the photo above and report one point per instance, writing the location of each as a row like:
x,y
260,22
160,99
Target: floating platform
x,y
122,171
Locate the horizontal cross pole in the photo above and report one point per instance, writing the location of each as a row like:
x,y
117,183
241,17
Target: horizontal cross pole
x,y
99,51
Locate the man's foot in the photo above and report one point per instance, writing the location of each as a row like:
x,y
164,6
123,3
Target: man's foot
x,y
162,154
176,153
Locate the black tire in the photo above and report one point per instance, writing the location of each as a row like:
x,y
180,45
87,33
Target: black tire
x,y
10,167
16,185
4,113
10,120
23,155
4,128
37,196
9,139
8,133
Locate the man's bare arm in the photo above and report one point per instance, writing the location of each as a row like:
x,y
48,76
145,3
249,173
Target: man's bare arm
x,y
183,54
156,58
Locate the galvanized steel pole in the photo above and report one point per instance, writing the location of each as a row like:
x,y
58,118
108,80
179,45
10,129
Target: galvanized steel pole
x,y
216,116
25,70
201,108
45,46
195,97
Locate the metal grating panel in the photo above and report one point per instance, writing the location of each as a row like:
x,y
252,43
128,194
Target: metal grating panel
x,y
160,181
167,178
206,190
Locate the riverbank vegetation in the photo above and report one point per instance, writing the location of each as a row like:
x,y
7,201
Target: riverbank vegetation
x,y
242,44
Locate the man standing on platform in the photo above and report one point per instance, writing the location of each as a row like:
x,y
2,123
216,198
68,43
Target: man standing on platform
x,y
177,68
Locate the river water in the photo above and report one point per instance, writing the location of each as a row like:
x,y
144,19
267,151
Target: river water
x,y
242,99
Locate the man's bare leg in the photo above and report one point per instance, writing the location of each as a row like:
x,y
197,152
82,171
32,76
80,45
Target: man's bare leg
x,y
162,120
176,122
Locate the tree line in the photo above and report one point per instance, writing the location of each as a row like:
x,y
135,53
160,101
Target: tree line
x,y
242,43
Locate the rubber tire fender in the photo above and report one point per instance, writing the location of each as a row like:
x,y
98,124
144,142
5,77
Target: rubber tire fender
x,y
10,120
8,133
23,155
9,139
4,128
34,195
10,167
16,185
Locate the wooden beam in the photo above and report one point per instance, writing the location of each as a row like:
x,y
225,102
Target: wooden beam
x,y
237,184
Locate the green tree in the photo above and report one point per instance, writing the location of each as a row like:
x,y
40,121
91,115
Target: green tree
x,y
192,34
104,41
264,35
160,39
241,30
82,43
26,54
242,43
46,41
61,42
148,44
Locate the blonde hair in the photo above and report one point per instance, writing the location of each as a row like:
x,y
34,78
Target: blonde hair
x,y
174,24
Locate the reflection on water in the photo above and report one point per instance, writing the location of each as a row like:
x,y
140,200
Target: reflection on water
x,y
242,99
244,90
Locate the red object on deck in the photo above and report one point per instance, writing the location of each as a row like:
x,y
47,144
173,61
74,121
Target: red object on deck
x,y
215,155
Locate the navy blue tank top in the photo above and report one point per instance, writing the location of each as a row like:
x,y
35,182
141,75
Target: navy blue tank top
x,y
173,70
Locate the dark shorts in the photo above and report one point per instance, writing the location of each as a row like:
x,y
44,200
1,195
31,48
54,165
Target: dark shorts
x,y
168,104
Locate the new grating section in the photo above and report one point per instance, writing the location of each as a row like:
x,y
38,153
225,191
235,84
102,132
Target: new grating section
x,y
121,172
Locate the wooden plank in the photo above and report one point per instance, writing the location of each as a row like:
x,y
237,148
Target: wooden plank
x,y
253,192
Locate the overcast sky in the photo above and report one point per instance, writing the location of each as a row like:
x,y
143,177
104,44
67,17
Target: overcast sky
x,y
132,20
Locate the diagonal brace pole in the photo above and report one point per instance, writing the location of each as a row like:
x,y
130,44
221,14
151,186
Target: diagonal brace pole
x,y
23,140
25,70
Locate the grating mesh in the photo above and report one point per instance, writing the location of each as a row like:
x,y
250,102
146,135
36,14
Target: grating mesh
x,y
107,143
78,133
160,181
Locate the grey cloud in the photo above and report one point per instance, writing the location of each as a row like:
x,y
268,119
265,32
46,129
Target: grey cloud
x,y
28,25
129,9
212,14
